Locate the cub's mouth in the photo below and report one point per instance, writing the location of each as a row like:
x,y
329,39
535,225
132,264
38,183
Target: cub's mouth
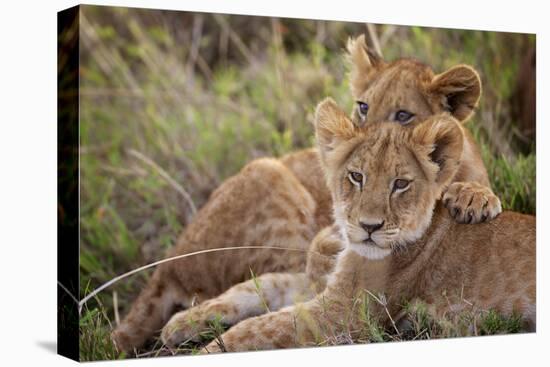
x,y
371,249
370,242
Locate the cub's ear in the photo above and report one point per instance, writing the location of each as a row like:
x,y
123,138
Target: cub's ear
x,y
460,89
332,126
441,138
363,62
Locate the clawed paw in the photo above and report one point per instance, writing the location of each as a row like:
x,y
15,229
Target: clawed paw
x,y
470,202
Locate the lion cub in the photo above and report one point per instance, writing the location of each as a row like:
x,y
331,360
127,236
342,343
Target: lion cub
x,y
397,238
408,92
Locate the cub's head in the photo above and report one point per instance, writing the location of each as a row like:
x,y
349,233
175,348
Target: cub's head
x,y
406,91
385,179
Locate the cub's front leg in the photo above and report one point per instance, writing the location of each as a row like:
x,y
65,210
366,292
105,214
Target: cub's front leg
x,y
306,324
268,292
469,198
336,311
291,327
471,202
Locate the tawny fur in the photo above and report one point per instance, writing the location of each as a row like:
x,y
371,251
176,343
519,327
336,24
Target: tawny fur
x,y
264,205
285,202
444,263
267,293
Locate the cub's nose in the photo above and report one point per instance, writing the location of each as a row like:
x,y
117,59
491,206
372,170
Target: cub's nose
x,y
371,227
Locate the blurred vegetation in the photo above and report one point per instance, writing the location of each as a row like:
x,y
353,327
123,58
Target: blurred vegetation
x,y
199,95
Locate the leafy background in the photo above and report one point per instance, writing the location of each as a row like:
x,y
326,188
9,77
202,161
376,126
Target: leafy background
x,y
172,103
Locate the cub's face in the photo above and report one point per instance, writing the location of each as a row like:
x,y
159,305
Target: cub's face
x,y
384,179
383,198
406,91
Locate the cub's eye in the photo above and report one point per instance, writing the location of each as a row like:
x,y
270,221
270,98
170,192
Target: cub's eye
x,y
400,184
403,117
363,108
356,178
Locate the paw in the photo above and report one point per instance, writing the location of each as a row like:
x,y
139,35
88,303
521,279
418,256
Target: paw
x,y
470,202
183,326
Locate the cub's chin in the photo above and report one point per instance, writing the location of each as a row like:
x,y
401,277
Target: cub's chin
x,y
370,250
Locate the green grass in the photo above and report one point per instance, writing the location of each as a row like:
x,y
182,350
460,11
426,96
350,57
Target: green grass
x,y
514,181
420,322
201,119
95,341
